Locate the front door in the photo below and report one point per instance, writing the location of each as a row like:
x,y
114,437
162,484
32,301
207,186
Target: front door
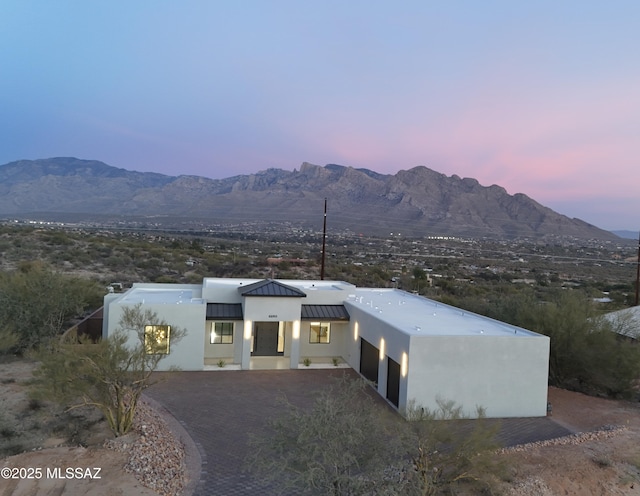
x,y
265,339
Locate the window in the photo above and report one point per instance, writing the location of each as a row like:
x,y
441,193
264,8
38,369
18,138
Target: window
x,y
156,339
320,332
222,333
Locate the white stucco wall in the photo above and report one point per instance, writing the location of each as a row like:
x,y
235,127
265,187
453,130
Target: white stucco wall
x,y
223,290
334,348
107,300
188,353
373,330
505,375
272,309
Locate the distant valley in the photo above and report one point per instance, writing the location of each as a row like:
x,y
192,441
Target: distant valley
x,y
416,202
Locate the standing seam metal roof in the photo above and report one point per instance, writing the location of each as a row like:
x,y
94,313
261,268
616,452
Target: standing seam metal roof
x,y
324,312
220,311
269,287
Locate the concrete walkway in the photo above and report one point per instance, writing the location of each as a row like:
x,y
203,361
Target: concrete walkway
x,y
220,410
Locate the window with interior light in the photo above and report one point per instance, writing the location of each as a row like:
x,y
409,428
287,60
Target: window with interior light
x,y
156,339
320,332
222,333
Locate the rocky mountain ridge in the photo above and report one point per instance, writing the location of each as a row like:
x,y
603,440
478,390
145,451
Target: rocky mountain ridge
x,y
414,202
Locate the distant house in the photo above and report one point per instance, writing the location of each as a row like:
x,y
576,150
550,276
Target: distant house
x,y
625,322
412,349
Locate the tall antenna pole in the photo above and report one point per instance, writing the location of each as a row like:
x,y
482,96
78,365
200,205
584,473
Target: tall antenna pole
x,y
638,272
324,241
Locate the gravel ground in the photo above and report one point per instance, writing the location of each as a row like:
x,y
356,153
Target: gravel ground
x,y
156,457
605,432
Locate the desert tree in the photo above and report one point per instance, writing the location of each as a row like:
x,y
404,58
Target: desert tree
x,y
586,354
341,446
446,451
36,302
110,375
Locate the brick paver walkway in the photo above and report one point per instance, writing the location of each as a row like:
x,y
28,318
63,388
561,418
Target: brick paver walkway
x,y
221,409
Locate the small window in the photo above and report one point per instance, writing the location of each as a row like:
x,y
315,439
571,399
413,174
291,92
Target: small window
x,y
156,339
320,332
222,333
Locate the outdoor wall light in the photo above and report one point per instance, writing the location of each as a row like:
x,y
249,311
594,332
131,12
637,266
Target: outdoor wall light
x,y
404,365
296,329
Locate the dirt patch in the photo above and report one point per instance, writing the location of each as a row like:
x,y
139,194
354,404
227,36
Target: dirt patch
x,y
27,424
603,460
110,479
66,453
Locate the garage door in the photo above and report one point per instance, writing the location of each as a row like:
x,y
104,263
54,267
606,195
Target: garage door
x,y
393,381
369,360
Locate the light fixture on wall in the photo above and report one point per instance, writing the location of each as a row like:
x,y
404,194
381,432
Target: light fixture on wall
x,y
296,329
404,365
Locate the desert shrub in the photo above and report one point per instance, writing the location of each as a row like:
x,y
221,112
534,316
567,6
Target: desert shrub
x,y
347,444
585,354
109,375
447,452
341,446
36,303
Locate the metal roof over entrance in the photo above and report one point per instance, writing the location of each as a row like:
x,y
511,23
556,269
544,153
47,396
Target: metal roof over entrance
x,y
224,311
269,287
324,312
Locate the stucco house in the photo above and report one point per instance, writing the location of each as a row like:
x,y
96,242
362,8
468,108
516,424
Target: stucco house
x,y
412,349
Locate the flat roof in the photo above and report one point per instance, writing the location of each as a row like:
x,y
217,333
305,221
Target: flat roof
x,y
161,296
419,316
407,312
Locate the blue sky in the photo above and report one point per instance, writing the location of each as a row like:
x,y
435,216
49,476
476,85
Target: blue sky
x,y
542,98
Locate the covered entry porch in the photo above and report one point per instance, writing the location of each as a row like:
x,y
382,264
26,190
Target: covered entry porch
x,y
251,345
278,345
271,329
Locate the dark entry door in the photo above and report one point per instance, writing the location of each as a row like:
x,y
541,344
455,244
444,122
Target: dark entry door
x,y
265,339
393,381
369,360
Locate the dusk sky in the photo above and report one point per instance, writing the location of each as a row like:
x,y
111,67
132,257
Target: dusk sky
x,y
542,98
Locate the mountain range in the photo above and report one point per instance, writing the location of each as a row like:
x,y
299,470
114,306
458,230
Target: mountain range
x,y
414,202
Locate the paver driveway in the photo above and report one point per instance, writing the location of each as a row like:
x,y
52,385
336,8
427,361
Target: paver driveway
x,y
220,409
